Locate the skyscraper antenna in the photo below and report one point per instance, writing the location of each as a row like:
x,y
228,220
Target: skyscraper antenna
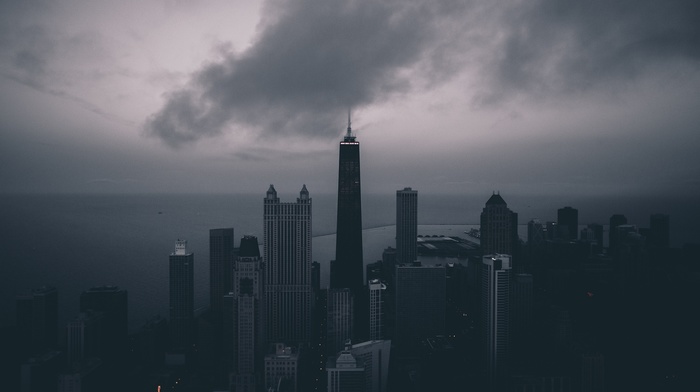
x,y
349,129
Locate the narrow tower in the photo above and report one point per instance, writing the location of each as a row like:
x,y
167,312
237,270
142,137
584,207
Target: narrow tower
x,y
347,271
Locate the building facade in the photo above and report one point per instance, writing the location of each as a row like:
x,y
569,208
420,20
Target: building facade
x,y
287,257
181,297
221,257
499,227
406,225
348,268
495,315
248,316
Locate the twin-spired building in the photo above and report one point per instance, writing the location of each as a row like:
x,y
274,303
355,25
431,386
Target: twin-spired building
x,y
287,258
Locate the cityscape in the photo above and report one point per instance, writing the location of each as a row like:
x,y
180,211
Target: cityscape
x,y
349,196
570,307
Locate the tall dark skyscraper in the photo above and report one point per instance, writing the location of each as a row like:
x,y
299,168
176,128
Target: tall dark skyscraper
x,y
615,221
111,301
181,296
287,256
567,221
347,271
221,245
499,227
406,225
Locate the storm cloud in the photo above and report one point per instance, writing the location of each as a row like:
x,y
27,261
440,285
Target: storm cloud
x,y
314,59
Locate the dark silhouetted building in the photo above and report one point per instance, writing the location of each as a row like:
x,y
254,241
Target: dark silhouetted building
x,y
347,271
499,227
181,297
376,293
113,303
421,295
406,225
339,324
659,229
287,257
567,221
37,320
495,316
247,312
84,338
221,257
615,221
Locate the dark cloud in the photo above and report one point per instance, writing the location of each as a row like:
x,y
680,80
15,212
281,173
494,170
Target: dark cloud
x,y
312,60
550,47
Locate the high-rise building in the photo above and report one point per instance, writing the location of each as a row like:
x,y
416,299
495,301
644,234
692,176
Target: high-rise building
x,y
347,271
248,323
421,293
615,221
374,357
221,244
522,314
84,338
281,369
344,373
287,256
37,320
406,225
499,227
181,296
376,290
495,315
113,302
567,219
339,325
659,231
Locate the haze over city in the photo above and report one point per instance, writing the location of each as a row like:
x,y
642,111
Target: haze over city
x,y
547,96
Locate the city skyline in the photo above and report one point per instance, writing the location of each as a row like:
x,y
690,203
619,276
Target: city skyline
x,y
588,99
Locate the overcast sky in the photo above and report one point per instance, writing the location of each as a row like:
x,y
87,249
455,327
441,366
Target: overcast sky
x,y
529,96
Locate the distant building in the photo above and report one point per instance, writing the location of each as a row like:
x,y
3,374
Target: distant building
x,y
281,369
221,257
567,220
84,338
113,302
40,373
345,374
248,324
659,230
420,304
499,227
615,221
287,257
495,315
37,320
181,297
376,290
406,225
592,373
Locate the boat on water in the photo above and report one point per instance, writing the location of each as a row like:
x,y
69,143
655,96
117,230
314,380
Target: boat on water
x,y
473,233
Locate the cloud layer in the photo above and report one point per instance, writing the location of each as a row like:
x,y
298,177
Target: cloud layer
x,y
314,59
